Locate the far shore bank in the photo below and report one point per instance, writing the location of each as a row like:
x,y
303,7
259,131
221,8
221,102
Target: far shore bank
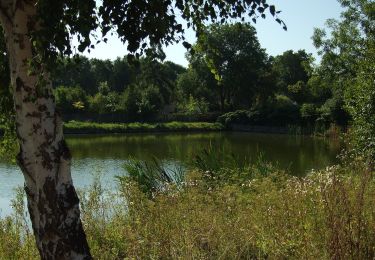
x,y
78,127
84,127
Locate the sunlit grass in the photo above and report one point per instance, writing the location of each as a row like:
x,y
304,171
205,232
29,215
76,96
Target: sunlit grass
x,y
327,214
77,127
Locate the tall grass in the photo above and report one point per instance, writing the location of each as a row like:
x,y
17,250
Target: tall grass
x,y
221,167
328,214
153,176
16,237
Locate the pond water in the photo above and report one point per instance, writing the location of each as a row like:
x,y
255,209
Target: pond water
x,y
106,154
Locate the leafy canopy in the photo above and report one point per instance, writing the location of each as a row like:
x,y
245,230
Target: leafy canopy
x,y
234,56
348,64
143,25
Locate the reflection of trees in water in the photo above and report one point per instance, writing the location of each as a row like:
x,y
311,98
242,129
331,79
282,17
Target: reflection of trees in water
x,y
296,152
139,145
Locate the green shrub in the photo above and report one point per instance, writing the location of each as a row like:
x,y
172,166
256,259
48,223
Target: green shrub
x,y
360,102
70,99
104,103
280,111
308,111
236,117
193,106
283,111
299,91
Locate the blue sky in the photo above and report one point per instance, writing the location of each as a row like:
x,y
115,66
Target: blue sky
x,y
301,17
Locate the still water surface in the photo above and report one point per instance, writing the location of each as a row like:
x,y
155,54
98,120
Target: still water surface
x,y
106,154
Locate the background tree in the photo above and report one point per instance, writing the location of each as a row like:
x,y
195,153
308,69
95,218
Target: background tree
x,y
36,32
198,82
292,69
347,65
233,55
152,72
102,71
121,75
75,71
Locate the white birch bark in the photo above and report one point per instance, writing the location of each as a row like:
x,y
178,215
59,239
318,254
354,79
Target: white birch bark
x,y
44,157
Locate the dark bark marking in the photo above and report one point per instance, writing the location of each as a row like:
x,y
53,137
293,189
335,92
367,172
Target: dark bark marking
x,y
21,41
48,136
71,197
21,163
27,89
19,84
19,5
34,114
42,108
36,127
47,161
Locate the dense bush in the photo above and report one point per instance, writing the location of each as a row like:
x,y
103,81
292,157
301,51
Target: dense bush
x,y
299,92
70,99
236,117
193,106
332,111
187,117
280,111
308,111
360,102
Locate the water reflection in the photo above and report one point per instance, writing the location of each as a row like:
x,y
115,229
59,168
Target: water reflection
x,y
300,154
106,155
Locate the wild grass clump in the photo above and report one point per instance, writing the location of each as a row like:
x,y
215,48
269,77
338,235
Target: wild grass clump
x,y
220,167
152,176
328,214
16,238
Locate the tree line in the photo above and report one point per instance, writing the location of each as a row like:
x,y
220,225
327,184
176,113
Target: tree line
x,y
228,71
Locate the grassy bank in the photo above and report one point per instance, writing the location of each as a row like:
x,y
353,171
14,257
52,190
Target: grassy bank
x,y
232,212
81,127
76,127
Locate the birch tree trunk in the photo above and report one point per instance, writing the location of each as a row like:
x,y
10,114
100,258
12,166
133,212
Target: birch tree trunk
x,y
44,157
